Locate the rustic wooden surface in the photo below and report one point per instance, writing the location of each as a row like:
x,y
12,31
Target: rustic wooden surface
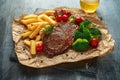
x,y
106,67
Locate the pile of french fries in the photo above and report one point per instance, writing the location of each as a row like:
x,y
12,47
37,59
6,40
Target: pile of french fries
x,y
34,23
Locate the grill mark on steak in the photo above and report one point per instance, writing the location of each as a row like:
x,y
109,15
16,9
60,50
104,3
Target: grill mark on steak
x,y
60,39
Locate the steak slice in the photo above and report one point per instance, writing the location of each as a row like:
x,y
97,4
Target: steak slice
x,y
60,39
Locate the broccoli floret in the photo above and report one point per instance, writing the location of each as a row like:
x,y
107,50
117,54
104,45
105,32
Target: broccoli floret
x,y
84,35
81,26
78,34
95,32
48,29
80,44
85,24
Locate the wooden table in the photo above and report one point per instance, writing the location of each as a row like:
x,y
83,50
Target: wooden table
x,y
106,67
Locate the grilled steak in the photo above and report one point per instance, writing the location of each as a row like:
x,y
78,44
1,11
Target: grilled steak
x,y
60,39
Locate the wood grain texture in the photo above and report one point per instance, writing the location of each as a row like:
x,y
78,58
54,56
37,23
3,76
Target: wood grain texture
x,y
108,66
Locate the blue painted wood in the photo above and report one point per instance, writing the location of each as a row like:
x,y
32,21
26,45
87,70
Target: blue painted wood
x,y
103,68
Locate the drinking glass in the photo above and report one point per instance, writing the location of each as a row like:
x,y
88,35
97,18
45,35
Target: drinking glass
x,y
89,6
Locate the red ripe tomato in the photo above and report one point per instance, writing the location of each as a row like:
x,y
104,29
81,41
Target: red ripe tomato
x,y
62,15
56,13
65,18
39,47
94,42
58,18
78,20
68,14
63,12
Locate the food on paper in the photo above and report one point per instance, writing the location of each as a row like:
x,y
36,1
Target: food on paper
x,y
59,36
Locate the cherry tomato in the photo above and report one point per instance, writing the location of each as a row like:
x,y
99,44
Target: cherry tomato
x,y
56,13
65,18
94,42
78,20
58,18
63,12
69,14
62,15
39,47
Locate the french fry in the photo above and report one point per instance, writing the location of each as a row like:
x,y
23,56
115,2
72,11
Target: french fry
x,y
26,34
49,12
33,47
30,16
40,20
39,42
29,25
36,31
32,28
38,38
52,17
38,23
28,21
46,18
27,42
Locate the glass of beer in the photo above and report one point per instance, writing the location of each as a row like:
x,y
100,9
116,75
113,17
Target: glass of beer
x,y
89,6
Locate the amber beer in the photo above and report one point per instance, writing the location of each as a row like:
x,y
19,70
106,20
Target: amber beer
x,y
89,6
